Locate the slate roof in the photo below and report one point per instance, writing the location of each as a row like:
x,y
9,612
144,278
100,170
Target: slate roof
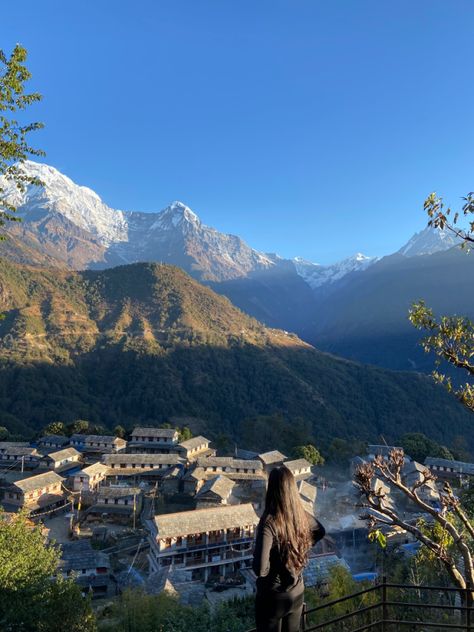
x,y
274,456
4,445
219,485
202,520
194,442
118,492
20,451
38,481
458,466
162,433
229,461
59,455
78,555
81,438
297,464
95,468
307,491
153,459
198,474
57,439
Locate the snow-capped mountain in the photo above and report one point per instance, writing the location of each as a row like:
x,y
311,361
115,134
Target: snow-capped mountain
x,y
317,275
72,223
429,241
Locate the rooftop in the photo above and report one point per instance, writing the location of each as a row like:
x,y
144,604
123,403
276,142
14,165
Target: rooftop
x,y
194,442
297,464
79,555
165,433
81,438
146,459
229,461
203,520
274,456
67,453
38,481
58,439
118,492
219,485
95,468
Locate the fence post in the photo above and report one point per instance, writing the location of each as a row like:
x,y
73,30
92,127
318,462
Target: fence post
x,y
384,604
468,609
303,618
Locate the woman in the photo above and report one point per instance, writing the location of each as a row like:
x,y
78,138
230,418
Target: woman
x,y
284,536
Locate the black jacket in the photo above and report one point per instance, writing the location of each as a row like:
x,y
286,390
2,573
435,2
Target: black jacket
x,y
271,572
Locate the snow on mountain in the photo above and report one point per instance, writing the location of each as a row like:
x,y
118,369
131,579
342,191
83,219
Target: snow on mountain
x,y
429,241
78,204
174,235
317,275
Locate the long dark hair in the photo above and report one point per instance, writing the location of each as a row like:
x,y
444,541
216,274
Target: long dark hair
x,y
283,504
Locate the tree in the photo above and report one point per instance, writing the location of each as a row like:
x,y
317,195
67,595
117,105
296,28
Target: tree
x,y
33,598
14,147
3,433
55,428
184,433
119,431
419,446
308,452
453,548
80,426
451,338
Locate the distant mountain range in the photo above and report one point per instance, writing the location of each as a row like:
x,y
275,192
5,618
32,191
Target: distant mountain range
x,y
145,343
356,307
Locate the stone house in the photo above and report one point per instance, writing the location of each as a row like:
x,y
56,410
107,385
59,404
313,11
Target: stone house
x,y
61,460
89,567
272,459
215,491
98,444
153,440
193,448
204,542
39,493
300,468
89,478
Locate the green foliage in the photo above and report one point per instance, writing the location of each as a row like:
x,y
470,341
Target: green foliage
x,y
418,446
308,452
14,147
184,433
444,218
341,450
451,338
80,426
3,433
119,431
54,428
377,536
30,600
136,611
261,389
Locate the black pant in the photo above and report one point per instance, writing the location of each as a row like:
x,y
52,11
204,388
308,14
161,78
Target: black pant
x,y
279,611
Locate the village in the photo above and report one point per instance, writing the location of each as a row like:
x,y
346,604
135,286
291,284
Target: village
x,y
169,515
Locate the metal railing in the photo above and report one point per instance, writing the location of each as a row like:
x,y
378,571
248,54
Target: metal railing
x,y
392,613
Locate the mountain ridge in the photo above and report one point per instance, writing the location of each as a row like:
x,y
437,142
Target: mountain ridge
x,y
145,342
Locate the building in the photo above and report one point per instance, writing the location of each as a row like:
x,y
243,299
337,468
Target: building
x,y
153,440
90,568
89,478
101,444
55,442
381,450
6,445
271,459
120,502
300,468
193,480
193,448
132,463
24,458
449,470
204,542
61,460
234,468
37,494
215,491
308,494
413,474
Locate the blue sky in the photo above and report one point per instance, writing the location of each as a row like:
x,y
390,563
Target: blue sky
x,y
308,127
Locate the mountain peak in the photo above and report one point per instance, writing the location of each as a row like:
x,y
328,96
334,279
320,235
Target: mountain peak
x,y
176,214
428,241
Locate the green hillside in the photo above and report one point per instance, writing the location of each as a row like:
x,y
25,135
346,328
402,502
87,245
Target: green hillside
x,y
145,342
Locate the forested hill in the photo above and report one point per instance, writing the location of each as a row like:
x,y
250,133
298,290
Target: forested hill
x,y
145,342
